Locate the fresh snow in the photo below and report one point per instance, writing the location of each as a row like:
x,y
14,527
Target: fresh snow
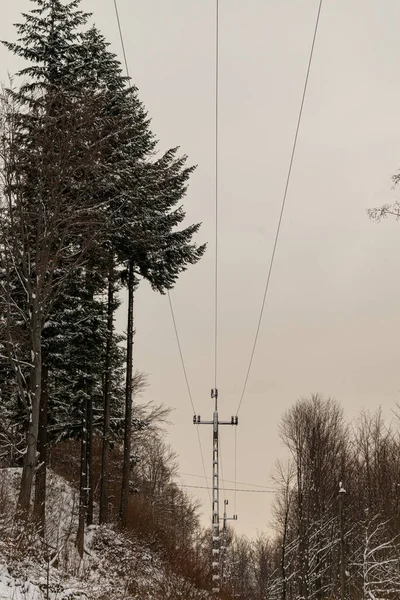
x,y
114,567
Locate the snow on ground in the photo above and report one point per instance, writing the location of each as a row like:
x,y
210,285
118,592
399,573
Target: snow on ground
x,y
10,589
114,567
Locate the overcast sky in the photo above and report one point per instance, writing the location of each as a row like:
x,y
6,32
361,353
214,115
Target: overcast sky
x,y
331,322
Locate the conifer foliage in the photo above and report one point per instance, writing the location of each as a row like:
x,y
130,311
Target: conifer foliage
x,y
86,208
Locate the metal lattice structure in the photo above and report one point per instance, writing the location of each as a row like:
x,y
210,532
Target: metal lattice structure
x,y
216,539
223,547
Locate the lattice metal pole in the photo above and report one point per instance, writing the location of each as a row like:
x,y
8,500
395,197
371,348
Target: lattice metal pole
x,y
223,547
215,498
216,554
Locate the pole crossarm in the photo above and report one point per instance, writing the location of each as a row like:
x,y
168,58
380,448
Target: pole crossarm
x,y
225,518
197,421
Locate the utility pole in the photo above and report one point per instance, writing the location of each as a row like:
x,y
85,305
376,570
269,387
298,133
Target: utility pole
x,y
216,567
342,493
225,519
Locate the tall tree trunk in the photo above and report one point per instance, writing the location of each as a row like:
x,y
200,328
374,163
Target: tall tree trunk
x,y
283,550
126,469
302,549
80,538
42,447
89,448
105,459
342,554
32,429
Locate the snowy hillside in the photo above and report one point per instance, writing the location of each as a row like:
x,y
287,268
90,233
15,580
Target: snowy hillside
x,y
114,566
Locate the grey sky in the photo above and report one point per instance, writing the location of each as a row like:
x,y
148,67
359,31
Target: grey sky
x,y
331,321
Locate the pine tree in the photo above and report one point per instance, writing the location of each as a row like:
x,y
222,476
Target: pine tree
x,y
57,139
132,144
143,221
50,41
155,251
130,202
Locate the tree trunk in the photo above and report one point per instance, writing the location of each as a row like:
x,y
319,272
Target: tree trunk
x,y
342,556
80,538
283,552
89,449
42,447
105,462
32,429
302,551
126,469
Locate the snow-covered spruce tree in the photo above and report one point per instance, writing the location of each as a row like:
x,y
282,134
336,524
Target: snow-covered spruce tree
x,y
129,198
12,413
127,151
145,212
154,250
33,243
49,39
55,135
11,418
127,127
72,348
13,333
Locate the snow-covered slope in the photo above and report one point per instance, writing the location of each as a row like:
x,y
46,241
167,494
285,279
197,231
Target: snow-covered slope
x,y
114,567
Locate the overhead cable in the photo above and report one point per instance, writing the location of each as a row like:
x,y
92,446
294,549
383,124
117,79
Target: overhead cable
x,y
283,204
169,297
216,194
202,487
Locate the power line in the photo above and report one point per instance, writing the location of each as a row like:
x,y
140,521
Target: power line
x,y
202,456
180,352
216,192
283,204
187,384
169,297
264,487
121,38
202,487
